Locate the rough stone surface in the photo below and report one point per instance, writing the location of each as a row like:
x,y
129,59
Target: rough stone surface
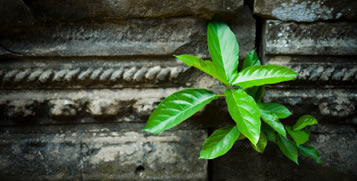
x,y
319,70
127,37
123,38
35,11
310,39
337,145
135,105
306,11
321,102
99,152
78,80
118,105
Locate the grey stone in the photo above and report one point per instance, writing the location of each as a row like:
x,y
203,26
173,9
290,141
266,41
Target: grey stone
x,y
135,105
319,70
82,106
310,39
123,38
337,150
76,10
244,27
322,102
95,152
93,73
126,37
306,11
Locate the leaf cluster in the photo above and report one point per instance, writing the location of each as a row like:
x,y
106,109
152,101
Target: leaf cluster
x,y
255,120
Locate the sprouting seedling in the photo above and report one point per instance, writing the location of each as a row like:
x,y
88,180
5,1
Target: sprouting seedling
x,y
254,120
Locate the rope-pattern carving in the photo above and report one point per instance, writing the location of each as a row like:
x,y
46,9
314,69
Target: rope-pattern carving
x,y
128,74
326,73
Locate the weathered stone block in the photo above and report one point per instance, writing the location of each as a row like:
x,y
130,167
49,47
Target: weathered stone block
x,y
310,39
122,38
116,105
75,10
131,37
337,145
95,152
322,102
306,11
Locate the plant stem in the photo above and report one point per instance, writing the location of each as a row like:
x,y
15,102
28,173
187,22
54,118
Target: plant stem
x,y
220,95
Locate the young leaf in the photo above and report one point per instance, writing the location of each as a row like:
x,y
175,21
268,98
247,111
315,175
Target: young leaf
x,y
263,74
223,48
288,148
178,107
251,59
299,136
269,132
262,143
310,151
273,121
303,121
204,65
278,109
244,112
219,143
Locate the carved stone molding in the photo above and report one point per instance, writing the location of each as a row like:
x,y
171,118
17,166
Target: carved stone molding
x,y
113,74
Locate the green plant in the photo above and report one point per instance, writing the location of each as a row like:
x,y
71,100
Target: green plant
x,y
244,103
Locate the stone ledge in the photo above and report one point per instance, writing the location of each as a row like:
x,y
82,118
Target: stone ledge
x,y
135,105
286,38
123,38
306,11
133,37
35,11
92,153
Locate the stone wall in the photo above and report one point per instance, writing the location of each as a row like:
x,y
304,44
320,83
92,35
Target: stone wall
x,y
78,80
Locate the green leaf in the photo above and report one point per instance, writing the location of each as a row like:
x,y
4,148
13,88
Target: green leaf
x,y
288,148
260,93
278,109
299,136
273,121
178,107
244,112
310,151
262,143
303,121
269,132
219,143
263,74
204,65
251,59
223,48
257,92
